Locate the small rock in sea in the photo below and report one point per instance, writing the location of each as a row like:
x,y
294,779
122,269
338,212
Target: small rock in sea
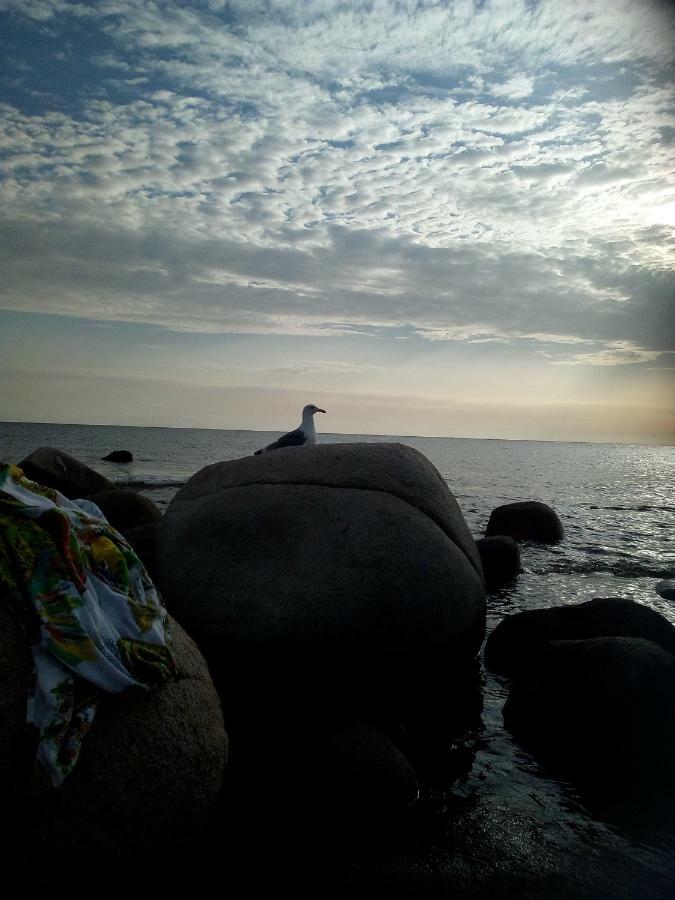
x,y
529,520
500,556
517,637
125,508
666,589
119,456
57,469
601,709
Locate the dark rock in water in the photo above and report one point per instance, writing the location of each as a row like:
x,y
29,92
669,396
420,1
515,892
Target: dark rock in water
x,y
526,521
342,570
119,456
57,469
666,589
517,637
148,774
500,556
126,509
602,708
143,538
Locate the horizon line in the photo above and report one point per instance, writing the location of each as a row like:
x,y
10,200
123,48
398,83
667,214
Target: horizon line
x,y
447,437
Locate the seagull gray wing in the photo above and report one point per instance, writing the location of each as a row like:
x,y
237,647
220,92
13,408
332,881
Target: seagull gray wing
x,y
293,439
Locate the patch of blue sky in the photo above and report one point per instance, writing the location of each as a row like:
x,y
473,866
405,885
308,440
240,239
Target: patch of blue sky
x,y
341,145
456,79
62,65
600,81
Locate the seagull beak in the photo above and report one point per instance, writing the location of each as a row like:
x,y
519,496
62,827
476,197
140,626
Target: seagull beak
x,y
320,410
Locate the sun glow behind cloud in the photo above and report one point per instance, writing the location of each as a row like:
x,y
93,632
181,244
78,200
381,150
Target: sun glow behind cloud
x,y
330,184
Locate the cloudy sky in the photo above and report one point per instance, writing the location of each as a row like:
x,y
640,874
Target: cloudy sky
x,y
452,218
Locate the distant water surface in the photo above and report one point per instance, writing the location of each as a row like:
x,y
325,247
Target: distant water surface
x,y
616,503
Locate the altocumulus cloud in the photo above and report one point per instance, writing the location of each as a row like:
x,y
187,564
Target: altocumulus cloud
x,y
479,172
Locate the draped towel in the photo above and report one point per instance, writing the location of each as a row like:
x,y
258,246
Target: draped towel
x,y
93,618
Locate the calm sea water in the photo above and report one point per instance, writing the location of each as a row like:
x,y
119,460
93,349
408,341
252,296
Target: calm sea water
x,y
616,503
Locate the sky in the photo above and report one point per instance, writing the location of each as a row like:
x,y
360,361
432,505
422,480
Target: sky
x,y
434,218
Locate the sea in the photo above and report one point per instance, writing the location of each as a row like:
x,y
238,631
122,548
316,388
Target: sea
x,y
616,503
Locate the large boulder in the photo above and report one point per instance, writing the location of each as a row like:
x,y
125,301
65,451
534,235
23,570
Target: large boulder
x,y
529,520
57,469
346,568
148,774
500,556
519,636
602,707
126,509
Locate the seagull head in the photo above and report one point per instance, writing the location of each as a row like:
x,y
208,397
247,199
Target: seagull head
x,y
310,409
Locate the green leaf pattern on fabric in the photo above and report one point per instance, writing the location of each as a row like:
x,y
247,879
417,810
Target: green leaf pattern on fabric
x,y
92,615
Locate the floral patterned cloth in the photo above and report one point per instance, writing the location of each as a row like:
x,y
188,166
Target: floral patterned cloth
x,y
93,618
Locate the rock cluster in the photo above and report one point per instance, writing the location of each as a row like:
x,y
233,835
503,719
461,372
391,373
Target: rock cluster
x,y
592,690
332,589
338,599
529,520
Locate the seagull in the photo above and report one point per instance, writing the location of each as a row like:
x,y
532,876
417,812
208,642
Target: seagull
x,y
305,433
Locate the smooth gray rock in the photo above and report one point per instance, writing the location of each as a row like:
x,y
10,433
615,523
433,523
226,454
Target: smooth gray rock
x,y
58,469
529,520
517,637
353,556
392,468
